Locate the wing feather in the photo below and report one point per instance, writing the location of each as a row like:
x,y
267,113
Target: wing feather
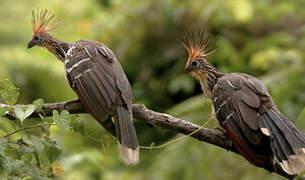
x,y
242,100
87,97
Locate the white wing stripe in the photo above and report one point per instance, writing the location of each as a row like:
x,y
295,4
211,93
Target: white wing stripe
x,y
69,53
77,64
88,52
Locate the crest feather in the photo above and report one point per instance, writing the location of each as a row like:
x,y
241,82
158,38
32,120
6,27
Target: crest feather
x,y
40,20
196,44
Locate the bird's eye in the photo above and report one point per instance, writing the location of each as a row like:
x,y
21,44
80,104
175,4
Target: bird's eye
x,y
39,38
196,64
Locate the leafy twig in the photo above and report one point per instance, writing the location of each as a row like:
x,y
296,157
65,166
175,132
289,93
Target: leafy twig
x,y
28,127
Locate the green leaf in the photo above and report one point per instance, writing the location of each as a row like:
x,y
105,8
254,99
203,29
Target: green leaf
x,y
12,151
14,178
38,103
79,126
14,166
3,160
8,92
18,168
2,111
62,120
34,172
45,163
3,145
53,150
35,141
23,111
53,153
24,149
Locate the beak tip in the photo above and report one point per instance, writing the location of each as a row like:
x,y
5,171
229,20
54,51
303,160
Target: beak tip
x,y
29,46
187,69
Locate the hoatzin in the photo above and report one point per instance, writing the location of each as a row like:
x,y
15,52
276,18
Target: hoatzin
x,y
247,113
98,79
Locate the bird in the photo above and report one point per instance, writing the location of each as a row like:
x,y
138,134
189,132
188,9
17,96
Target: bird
x,y
98,79
246,112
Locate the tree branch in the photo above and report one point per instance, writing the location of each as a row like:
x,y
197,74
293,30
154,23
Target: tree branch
x,y
155,118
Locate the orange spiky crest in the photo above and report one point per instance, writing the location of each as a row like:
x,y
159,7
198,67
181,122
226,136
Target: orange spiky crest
x,y
41,19
196,45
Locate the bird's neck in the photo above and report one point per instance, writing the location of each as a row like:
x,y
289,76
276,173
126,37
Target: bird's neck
x,y
208,79
57,47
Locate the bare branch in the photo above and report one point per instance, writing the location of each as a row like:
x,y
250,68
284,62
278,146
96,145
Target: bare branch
x,y
169,122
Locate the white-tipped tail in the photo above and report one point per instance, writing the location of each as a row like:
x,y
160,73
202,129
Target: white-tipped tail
x,y
295,163
287,141
129,156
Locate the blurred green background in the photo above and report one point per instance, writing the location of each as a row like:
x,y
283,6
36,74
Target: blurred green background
x,y
263,38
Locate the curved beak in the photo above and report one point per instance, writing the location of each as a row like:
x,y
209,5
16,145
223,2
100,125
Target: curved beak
x,y
189,69
31,44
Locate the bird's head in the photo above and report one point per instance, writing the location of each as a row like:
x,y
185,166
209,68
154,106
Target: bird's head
x,y
41,24
196,45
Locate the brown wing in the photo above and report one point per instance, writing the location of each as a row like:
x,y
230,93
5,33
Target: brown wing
x,y
234,96
93,71
237,109
102,86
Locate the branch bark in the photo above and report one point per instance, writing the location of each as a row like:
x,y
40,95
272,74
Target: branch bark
x,y
155,118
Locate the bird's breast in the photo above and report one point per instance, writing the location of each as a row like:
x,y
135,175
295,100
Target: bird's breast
x,y
205,87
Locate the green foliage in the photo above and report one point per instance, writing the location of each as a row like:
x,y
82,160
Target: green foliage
x,y
23,111
62,120
79,126
8,92
25,154
3,145
38,103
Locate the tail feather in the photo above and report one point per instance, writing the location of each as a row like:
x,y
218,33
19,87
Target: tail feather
x,y
130,156
291,133
298,133
287,142
126,135
278,141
